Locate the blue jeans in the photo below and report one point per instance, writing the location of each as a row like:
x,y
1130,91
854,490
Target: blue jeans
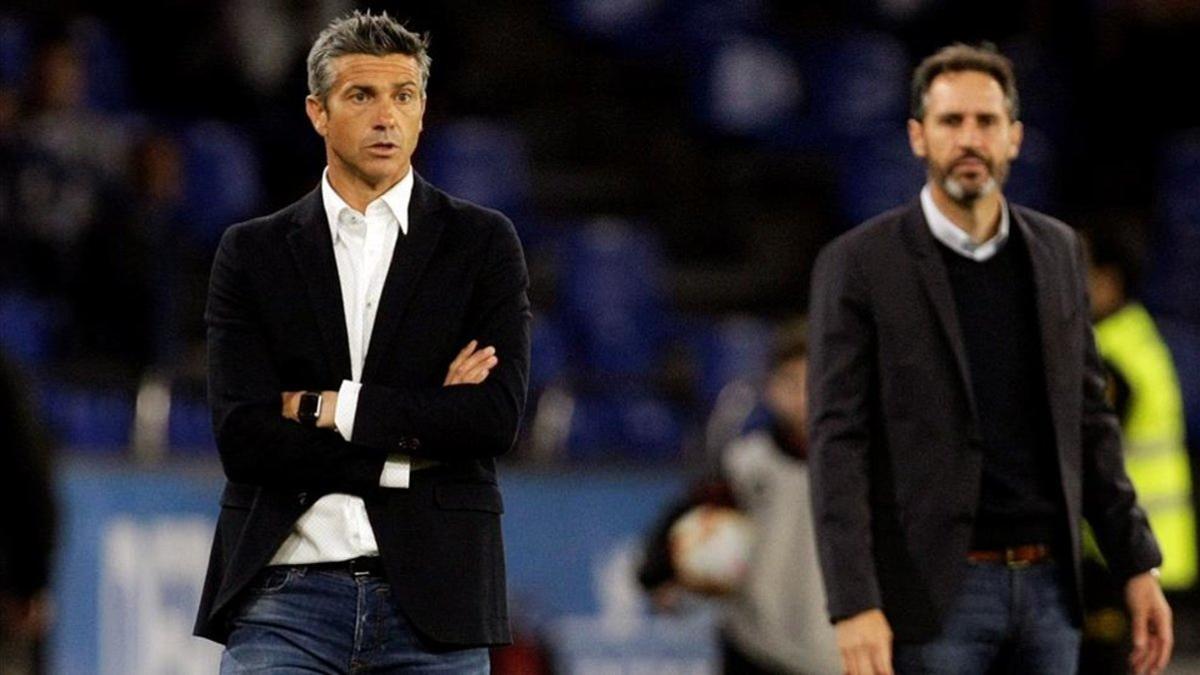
x,y
1004,620
296,619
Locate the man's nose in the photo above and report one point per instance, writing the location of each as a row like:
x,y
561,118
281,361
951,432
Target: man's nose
x,y
970,135
385,117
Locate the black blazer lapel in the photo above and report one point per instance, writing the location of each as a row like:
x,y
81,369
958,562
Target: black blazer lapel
x,y
1052,287
937,284
411,256
312,247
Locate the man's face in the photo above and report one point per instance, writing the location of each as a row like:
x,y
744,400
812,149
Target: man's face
x,y
966,138
371,117
787,395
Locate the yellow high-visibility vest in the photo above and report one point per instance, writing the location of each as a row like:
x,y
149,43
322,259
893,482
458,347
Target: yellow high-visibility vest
x,y
1153,430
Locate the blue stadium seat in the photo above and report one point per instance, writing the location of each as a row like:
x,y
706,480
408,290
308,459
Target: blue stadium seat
x,y
222,176
550,357
610,298
104,61
86,419
624,427
189,426
630,24
483,161
858,85
28,327
1172,284
733,348
876,173
1033,181
15,53
749,86
1183,339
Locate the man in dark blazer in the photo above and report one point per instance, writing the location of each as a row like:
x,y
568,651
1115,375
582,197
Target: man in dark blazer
x,y
360,524
960,434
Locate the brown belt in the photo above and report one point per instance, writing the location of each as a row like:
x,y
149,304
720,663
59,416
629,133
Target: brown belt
x,y
1015,556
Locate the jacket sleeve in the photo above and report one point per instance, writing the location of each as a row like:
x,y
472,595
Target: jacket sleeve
x,y
27,505
256,443
1109,504
465,421
841,373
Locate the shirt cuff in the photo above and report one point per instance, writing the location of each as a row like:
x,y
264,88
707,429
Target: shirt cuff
x,y
347,408
395,472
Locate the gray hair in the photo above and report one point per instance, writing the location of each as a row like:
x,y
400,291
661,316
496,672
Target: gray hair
x,y
363,33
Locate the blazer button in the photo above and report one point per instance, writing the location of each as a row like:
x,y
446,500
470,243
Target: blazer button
x,y
410,444
302,498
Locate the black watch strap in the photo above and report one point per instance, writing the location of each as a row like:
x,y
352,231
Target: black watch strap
x,y
310,408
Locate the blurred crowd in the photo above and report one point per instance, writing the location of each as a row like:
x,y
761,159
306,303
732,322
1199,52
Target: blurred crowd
x,y
672,167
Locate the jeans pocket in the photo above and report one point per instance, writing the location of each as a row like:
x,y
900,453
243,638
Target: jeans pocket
x,y
271,580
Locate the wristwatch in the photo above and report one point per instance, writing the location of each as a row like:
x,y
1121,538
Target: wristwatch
x,y
310,408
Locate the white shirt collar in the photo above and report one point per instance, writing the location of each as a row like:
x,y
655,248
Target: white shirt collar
x,y
394,203
955,238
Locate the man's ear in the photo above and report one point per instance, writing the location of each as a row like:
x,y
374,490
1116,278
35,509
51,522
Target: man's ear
x,y
317,114
916,138
1016,134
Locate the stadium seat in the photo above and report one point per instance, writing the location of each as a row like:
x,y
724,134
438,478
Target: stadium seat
x,y
1033,180
107,77
877,173
189,426
610,298
748,86
1183,339
549,358
222,179
485,162
15,52
28,325
730,349
85,419
628,426
1172,284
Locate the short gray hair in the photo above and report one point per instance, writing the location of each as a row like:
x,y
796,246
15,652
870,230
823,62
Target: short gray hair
x,y
363,33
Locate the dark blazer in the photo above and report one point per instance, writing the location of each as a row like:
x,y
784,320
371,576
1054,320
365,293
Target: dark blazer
x,y
896,454
28,509
275,323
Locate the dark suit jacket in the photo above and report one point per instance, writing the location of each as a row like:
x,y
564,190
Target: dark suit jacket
x,y
28,510
275,323
896,454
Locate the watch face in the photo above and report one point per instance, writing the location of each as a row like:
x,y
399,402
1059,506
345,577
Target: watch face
x,y
309,405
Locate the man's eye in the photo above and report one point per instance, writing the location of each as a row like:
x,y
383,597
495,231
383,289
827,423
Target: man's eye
x,y
359,96
404,97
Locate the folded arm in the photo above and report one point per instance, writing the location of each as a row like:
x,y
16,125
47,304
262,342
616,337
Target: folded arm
x,y
256,444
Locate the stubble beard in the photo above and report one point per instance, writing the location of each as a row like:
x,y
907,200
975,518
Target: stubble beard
x,y
965,196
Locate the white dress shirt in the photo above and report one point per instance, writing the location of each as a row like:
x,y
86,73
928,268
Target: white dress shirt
x,y
335,527
957,239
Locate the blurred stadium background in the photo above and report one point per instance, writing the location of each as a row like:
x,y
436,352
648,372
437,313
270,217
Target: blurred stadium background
x,y
672,166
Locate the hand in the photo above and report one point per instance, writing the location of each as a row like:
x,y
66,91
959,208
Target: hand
x,y
472,365
1153,636
25,618
328,416
865,641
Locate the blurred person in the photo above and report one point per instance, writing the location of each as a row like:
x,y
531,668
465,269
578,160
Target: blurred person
x,y
360,524
64,164
27,534
1144,390
959,429
773,618
141,250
